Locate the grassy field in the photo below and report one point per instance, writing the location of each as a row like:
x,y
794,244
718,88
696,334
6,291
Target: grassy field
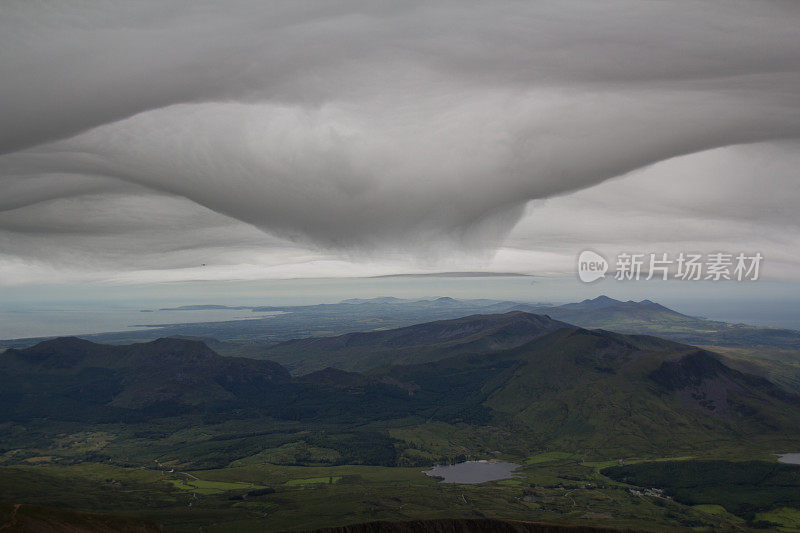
x,y
551,486
314,480
549,457
200,486
786,518
176,476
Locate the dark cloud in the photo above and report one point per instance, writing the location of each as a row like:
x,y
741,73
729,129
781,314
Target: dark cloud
x,y
370,129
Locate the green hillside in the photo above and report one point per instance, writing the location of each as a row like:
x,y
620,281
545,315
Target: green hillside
x,y
606,394
172,432
594,391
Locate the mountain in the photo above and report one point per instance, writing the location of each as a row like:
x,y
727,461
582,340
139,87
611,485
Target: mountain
x,y
610,394
297,321
72,379
249,337
556,387
173,432
701,380
412,344
604,302
650,318
603,312
82,379
596,303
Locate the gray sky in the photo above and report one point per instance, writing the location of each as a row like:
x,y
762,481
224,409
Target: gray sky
x,y
142,140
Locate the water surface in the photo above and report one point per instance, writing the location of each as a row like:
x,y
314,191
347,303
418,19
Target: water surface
x,y
472,472
52,321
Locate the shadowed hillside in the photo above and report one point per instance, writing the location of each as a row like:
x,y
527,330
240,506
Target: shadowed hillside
x,y
16,518
572,388
464,526
170,426
78,379
414,344
603,391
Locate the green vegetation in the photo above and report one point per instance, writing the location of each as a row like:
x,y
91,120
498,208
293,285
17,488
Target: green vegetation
x,y
598,394
314,480
210,487
711,509
299,498
419,343
547,457
743,488
779,365
785,517
173,433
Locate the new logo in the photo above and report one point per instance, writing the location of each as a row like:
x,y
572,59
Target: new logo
x,y
591,266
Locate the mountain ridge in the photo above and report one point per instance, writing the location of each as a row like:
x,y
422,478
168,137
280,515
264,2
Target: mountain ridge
x,y
568,388
418,343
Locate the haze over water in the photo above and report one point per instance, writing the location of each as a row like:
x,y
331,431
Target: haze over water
x,y
56,310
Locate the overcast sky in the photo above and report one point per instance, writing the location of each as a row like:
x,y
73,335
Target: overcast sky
x,y
164,141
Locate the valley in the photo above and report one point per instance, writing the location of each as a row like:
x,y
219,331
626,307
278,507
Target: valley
x,y
338,430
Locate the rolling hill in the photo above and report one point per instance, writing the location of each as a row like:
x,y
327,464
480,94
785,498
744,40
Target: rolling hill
x,y
82,380
173,432
570,388
610,394
413,344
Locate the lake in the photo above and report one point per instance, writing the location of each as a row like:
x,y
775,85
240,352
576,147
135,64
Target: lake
x,y
471,472
789,458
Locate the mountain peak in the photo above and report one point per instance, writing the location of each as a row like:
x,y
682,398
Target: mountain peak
x,y
68,349
593,303
64,342
602,298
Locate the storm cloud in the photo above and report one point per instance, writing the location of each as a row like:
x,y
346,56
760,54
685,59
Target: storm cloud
x,y
150,136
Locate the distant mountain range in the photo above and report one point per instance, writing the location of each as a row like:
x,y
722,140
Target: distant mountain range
x,y
647,317
359,315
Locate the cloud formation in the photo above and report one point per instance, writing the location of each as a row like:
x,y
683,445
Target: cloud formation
x,y
732,199
139,136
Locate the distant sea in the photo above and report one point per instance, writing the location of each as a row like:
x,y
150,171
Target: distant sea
x,y
778,314
42,311
58,321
